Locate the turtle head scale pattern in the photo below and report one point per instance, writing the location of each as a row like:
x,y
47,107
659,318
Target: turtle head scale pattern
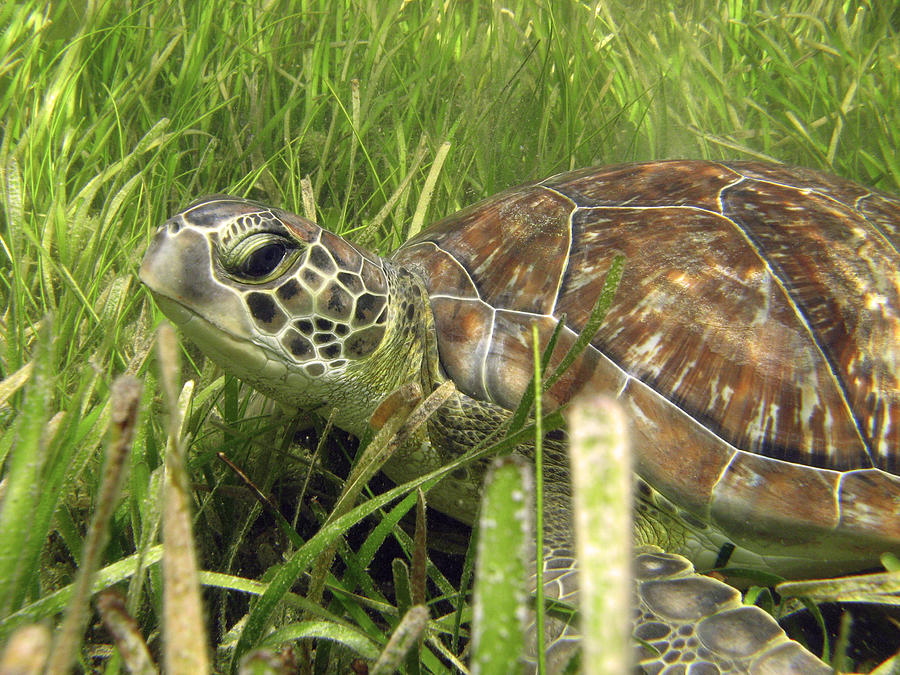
x,y
285,305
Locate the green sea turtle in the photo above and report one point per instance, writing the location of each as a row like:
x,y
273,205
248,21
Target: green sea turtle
x,y
753,342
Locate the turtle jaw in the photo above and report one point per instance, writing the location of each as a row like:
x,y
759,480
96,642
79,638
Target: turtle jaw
x,y
254,364
258,366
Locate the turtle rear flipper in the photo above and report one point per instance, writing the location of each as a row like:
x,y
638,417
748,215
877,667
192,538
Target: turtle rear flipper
x,y
700,624
685,622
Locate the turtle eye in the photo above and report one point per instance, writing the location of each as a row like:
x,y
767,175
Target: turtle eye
x,y
264,260
260,257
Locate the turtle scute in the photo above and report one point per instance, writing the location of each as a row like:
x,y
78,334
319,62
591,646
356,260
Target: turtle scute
x,y
696,625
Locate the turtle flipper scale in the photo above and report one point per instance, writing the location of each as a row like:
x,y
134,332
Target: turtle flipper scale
x,y
684,622
691,623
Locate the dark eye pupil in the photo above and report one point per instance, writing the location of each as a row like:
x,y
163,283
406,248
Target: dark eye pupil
x,y
264,260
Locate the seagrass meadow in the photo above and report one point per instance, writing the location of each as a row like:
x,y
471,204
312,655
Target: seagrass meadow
x,y
283,549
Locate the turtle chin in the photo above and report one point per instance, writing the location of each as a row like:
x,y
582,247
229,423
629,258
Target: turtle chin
x,y
252,363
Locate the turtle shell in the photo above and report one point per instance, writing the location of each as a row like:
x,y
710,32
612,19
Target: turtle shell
x,y
754,338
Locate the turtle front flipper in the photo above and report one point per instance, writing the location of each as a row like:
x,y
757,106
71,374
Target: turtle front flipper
x,y
688,622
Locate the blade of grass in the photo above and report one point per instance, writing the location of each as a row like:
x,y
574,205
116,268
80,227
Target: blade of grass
x,y
601,469
501,600
540,619
126,633
18,543
125,396
408,633
183,620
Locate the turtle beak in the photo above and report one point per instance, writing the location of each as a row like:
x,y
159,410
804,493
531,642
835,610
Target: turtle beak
x,y
172,258
150,265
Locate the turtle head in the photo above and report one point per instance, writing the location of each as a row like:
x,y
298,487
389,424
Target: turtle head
x,y
290,308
